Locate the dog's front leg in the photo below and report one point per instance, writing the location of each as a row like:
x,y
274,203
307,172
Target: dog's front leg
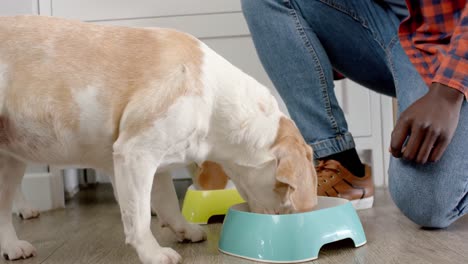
x,y
11,174
166,205
134,173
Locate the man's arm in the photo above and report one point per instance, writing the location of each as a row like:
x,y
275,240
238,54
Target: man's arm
x,y
428,125
453,70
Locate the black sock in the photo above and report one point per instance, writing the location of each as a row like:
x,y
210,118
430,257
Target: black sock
x,y
350,160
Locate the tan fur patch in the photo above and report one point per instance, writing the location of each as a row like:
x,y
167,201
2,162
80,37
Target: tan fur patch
x,y
296,176
51,58
211,176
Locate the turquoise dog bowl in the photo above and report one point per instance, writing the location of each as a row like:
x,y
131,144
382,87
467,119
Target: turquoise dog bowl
x,y
289,238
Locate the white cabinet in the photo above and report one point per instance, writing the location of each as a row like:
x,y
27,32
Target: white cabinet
x,y
221,25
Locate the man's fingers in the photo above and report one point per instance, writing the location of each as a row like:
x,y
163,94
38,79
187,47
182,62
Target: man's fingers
x,y
439,149
414,142
399,135
426,147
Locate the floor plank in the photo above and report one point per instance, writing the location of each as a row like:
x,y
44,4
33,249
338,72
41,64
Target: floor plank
x,y
89,230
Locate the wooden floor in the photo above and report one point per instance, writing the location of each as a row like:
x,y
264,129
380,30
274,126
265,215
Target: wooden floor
x,y
89,231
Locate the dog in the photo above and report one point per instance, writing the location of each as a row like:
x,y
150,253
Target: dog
x,y
136,103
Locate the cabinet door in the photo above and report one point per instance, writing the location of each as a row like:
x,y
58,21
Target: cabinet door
x,y
91,10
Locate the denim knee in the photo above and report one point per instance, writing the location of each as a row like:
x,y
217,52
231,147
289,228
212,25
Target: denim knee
x,y
430,217
254,9
426,205
251,8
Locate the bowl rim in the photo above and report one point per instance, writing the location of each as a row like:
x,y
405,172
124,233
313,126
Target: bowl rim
x,y
229,186
328,203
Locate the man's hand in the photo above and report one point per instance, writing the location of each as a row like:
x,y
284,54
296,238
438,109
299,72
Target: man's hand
x,y
428,125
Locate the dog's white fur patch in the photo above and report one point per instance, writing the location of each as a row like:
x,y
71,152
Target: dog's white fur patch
x,y
91,112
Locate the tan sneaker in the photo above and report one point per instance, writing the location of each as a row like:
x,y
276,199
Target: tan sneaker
x,y
336,181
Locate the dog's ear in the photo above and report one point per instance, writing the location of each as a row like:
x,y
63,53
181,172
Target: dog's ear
x,y
296,179
211,176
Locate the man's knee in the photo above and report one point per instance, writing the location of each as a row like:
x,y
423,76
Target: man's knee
x,y
256,9
249,7
435,216
426,205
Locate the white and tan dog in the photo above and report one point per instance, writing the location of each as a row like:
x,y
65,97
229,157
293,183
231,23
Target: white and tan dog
x,y
135,103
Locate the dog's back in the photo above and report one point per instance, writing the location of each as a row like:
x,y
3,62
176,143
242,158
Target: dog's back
x,y
79,79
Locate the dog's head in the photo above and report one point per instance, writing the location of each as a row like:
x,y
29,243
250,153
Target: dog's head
x,y
286,182
295,177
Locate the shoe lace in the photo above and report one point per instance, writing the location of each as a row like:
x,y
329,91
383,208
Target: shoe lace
x,y
327,170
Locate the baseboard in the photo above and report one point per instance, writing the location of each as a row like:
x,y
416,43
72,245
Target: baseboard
x,y
44,191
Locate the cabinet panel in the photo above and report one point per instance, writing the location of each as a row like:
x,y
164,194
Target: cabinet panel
x,y
124,9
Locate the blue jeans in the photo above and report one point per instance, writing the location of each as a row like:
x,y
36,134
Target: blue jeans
x,y
300,42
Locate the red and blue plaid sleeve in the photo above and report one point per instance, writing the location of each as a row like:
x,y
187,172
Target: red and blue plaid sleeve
x,y
435,37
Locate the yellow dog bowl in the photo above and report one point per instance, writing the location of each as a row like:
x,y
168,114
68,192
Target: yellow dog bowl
x,y
200,205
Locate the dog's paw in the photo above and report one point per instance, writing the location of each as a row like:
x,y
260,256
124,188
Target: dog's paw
x,y
28,213
191,233
161,256
18,250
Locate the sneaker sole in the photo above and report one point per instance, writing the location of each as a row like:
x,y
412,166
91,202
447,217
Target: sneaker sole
x,y
364,203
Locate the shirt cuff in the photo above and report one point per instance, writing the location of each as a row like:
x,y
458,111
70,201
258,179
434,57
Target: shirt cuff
x,y
453,72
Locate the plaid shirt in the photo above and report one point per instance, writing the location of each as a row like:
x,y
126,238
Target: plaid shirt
x,y
435,38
